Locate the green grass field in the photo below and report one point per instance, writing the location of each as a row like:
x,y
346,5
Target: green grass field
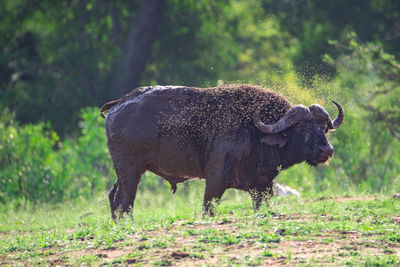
x,y
168,229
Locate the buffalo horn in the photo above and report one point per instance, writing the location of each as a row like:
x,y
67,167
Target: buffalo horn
x,y
336,123
291,117
319,112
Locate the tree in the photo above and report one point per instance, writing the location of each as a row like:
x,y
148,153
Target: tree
x,y
137,46
376,74
368,78
314,22
58,57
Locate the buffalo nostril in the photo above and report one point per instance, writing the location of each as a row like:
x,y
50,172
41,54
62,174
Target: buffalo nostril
x,y
326,150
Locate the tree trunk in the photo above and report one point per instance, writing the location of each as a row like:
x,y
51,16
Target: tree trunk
x,y
137,47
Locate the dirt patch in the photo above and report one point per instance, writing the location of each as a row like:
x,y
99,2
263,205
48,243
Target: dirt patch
x,y
352,198
396,219
293,217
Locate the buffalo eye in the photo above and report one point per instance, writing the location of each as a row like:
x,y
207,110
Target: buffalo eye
x,y
323,127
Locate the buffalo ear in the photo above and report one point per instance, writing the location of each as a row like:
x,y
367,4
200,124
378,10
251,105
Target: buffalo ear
x,y
275,139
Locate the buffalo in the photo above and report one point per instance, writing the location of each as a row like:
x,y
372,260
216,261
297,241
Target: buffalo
x,y
233,136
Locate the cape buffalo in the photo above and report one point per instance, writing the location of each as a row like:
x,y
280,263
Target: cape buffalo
x,y
233,136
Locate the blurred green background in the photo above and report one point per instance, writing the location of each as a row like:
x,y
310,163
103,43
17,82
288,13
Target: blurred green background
x,y
61,60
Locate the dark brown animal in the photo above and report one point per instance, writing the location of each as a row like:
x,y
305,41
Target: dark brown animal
x,y
234,136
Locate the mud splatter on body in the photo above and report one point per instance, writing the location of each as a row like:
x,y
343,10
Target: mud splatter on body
x,y
201,113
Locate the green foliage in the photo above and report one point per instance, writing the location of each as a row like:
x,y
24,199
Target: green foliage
x,y
36,166
367,85
53,59
368,81
236,41
371,78
86,160
27,160
54,63
313,22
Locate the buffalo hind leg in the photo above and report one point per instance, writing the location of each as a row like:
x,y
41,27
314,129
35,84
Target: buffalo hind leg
x,y
122,195
213,193
111,196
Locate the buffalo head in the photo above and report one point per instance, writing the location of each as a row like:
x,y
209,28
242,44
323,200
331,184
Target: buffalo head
x,y
303,129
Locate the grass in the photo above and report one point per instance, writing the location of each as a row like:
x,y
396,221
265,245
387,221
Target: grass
x,y
166,229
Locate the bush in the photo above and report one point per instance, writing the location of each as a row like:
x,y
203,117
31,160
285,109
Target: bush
x,y
86,163
36,166
368,80
28,162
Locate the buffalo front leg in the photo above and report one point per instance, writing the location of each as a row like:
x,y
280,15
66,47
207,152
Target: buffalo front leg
x,y
215,188
257,198
258,195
